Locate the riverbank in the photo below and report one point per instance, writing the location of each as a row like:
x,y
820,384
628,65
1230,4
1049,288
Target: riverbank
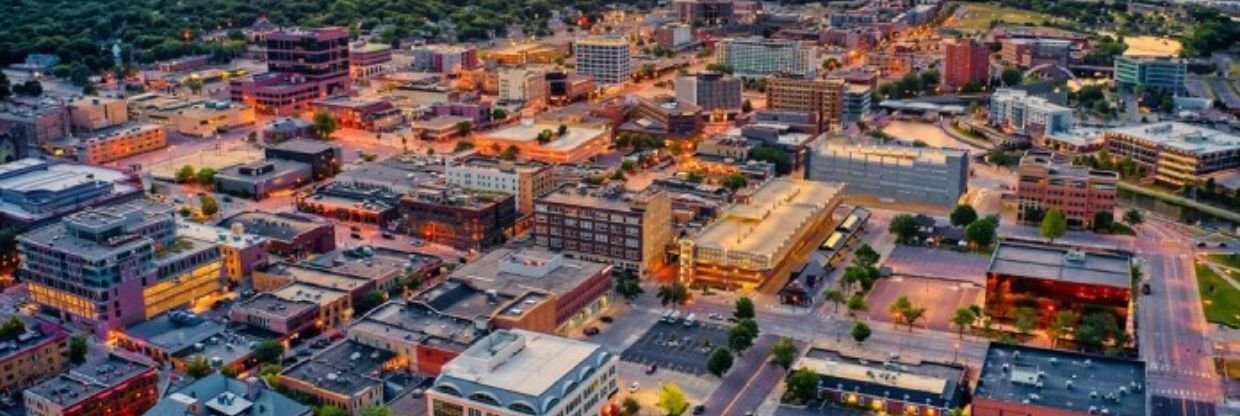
x,y
1226,214
947,128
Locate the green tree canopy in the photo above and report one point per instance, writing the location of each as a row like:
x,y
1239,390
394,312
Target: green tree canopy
x,y
1054,224
719,362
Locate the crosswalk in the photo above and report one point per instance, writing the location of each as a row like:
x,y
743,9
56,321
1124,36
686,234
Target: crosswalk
x,y
1181,393
1168,369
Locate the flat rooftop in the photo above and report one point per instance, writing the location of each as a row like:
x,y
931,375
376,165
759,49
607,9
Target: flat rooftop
x,y
306,146
897,154
37,333
1042,261
1062,169
280,226
370,263
514,272
183,334
575,137
84,382
928,383
218,235
301,291
776,216
1015,374
416,321
33,178
460,299
609,198
544,361
275,306
278,168
346,367
1182,137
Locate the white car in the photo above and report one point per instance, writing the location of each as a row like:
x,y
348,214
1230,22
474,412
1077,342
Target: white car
x,y
633,387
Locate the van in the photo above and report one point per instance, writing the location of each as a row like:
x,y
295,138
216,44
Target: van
x,y
691,320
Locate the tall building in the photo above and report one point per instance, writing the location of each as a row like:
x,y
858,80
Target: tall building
x,y
526,181
526,85
606,225
754,56
823,97
41,351
522,373
117,265
965,60
111,386
304,65
1020,112
1020,380
921,175
704,12
711,91
1079,192
1177,153
607,59
758,239
1154,73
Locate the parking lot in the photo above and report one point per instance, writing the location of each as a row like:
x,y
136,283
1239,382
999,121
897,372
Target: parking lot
x,y
940,298
937,263
677,347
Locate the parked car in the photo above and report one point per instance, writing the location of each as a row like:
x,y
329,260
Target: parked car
x,y
590,331
650,370
605,319
633,387
699,409
355,235
1145,288
387,236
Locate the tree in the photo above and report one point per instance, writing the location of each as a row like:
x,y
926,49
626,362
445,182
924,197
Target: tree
x,y
1133,217
744,308
672,400
30,88
1096,328
746,107
544,136
268,351
324,125
673,294
962,319
4,86
205,177
194,84
12,328
510,153
775,156
630,406
906,312
460,146
628,286
1103,221
198,366
860,332
741,336
367,302
329,410
77,349
904,226
856,303
499,114
1024,318
784,352
719,362
981,233
1054,224
185,174
803,384
1011,76
963,215
562,130
209,206
377,411
834,296
1064,322
865,256
1033,214
734,182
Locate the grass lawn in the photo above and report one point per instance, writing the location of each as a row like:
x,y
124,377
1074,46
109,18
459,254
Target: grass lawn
x,y
1233,71
976,17
1232,260
1220,300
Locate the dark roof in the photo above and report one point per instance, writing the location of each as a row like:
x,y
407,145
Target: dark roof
x,y
1167,406
952,375
1070,264
1013,374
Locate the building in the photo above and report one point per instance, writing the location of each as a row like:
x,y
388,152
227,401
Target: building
x,y
423,339
711,91
607,59
367,60
965,60
524,53
451,215
1052,278
242,252
856,103
1079,192
40,351
261,178
335,305
1028,53
923,388
757,57
36,192
520,84
753,241
704,12
673,36
1026,381
370,115
1178,154
116,265
218,394
200,119
351,202
664,115
286,128
477,113
524,180
272,313
1154,73
891,65
323,157
444,59
905,174
288,235
177,337
578,143
111,386
183,64
304,65
824,97
441,128
1017,111
113,144
348,375
548,292
564,88
90,113
606,225
516,372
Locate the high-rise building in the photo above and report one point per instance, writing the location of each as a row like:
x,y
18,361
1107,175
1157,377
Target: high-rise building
x,y
117,265
710,91
824,97
1079,192
304,65
605,58
607,225
965,60
922,175
704,12
1155,73
522,373
757,56
1023,113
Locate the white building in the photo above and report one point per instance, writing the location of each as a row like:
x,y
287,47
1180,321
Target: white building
x,y
521,84
522,373
757,56
1023,113
524,180
605,58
